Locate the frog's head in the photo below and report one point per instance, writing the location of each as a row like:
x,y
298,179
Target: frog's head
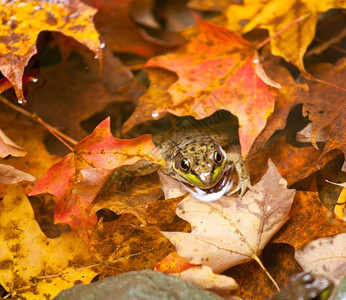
x,y
200,164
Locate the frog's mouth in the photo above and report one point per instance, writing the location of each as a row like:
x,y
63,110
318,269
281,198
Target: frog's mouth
x,y
214,193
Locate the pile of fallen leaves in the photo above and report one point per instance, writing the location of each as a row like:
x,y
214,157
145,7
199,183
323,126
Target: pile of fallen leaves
x,y
272,70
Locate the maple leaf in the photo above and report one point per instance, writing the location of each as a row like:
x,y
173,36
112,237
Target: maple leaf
x,y
233,231
307,221
325,256
22,21
272,15
83,172
28,257
217,70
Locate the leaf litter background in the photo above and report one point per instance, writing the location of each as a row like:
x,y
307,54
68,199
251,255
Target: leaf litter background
x,y
152,66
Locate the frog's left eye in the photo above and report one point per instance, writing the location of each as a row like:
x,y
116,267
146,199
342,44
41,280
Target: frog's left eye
x,y
217,158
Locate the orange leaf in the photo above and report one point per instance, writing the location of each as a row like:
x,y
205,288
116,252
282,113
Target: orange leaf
x,y
77,179
218,70
173,263
308,221
22,21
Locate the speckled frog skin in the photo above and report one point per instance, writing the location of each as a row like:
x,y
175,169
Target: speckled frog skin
x,y
202,163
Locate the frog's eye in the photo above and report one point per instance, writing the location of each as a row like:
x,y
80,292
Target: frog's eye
x,y
185,165
182,163
217,158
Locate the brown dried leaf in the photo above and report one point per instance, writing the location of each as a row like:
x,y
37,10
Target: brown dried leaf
x,y
133,196
325,256
9,175
8,147
308,221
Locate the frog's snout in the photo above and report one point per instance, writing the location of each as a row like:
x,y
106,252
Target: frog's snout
x,y
207,180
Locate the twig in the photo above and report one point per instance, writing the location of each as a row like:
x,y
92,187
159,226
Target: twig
x,y
255,257
310,77
58,134
268,39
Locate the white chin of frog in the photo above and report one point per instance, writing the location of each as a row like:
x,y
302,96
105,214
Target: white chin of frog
x,y
209,196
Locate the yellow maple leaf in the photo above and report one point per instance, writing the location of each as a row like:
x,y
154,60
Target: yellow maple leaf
x,y
33,266
21,23
275,15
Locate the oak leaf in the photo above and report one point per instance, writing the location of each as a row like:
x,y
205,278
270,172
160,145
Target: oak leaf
x,y
292,43
28,258
217,70
308,221
77,179
22,21
232,230
325,256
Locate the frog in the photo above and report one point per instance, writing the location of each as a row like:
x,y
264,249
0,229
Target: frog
x,y
305,286
203,163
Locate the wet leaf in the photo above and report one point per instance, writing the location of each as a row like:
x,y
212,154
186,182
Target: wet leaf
x,y
308,221
217,70
248,224
28,257
81,87
22,21
115,20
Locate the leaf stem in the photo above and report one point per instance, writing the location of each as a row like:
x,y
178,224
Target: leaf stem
x,y
269,38
58,134
310,77
255,257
